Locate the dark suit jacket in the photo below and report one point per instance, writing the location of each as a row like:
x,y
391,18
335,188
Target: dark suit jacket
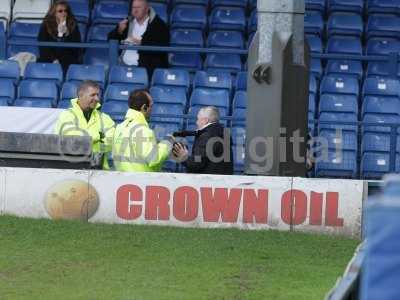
x,y
204,149
156,34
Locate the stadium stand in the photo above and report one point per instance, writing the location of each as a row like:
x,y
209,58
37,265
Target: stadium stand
x,y
332,27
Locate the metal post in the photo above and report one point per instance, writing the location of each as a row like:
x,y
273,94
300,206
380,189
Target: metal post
x,y
277,91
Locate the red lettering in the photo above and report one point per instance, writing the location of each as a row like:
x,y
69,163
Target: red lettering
x,y
294,207
223,202
332,210
186,203
316,208
255,207
126,194
157,206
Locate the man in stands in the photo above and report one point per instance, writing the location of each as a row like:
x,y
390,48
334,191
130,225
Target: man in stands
x,y
212,151
135,148
85,118
143,27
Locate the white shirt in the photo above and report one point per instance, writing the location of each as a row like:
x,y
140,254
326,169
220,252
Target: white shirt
x,y
131,57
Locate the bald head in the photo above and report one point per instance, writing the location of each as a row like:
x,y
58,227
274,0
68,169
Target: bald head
x,y
140,10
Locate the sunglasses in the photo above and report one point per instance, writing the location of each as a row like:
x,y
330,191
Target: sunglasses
x,y
62,10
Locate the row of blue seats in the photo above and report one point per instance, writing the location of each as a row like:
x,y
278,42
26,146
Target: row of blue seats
x,y
130,76
356,6
172,100
377,25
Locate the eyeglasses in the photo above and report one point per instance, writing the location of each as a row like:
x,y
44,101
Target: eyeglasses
x,y
62,10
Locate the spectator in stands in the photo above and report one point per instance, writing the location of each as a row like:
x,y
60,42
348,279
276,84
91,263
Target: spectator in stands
x,y
143,27
60,25
135,148
212,151
84,118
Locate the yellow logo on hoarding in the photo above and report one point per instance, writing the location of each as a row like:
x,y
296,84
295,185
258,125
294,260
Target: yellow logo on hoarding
x,y
71,200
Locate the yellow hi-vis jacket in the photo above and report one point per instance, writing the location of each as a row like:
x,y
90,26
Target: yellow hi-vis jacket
x,y
135,148
100,127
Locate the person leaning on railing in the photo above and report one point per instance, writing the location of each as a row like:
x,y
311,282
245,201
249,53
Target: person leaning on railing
x,y
59,25
142,27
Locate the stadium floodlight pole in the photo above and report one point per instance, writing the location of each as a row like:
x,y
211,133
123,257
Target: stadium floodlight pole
x,y
277,88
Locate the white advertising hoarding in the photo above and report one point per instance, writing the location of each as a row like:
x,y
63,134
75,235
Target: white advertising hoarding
x,y
185,200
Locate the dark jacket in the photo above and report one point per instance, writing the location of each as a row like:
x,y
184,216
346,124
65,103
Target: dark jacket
x,y
156,34
66,56
203,164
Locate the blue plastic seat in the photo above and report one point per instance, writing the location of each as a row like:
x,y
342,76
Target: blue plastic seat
x,y
341,164
80,9
241,81
78,73
382,46
116,110
223,62
352,68
186,38
379,122
317,5
175,78
33,90
345,24
227,18
315,43
204,97
109,12
191,62
212,80
381,87
162,129
117,93
381,69
340,140
44,71
168,95
344,45
374,164
161,10
69,91
9,69
383,26
98,33
316,67
383,6
7,92
356,6
136,77
313,23
240,100
225,39
97,57
22,32
189,16
338,120
82,30
332,84
163,112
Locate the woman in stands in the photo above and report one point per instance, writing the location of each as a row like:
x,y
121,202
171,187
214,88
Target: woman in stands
x,y
60,25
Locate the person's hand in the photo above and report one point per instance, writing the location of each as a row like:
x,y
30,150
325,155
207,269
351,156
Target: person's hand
x,y
134,40
122,26
180,152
